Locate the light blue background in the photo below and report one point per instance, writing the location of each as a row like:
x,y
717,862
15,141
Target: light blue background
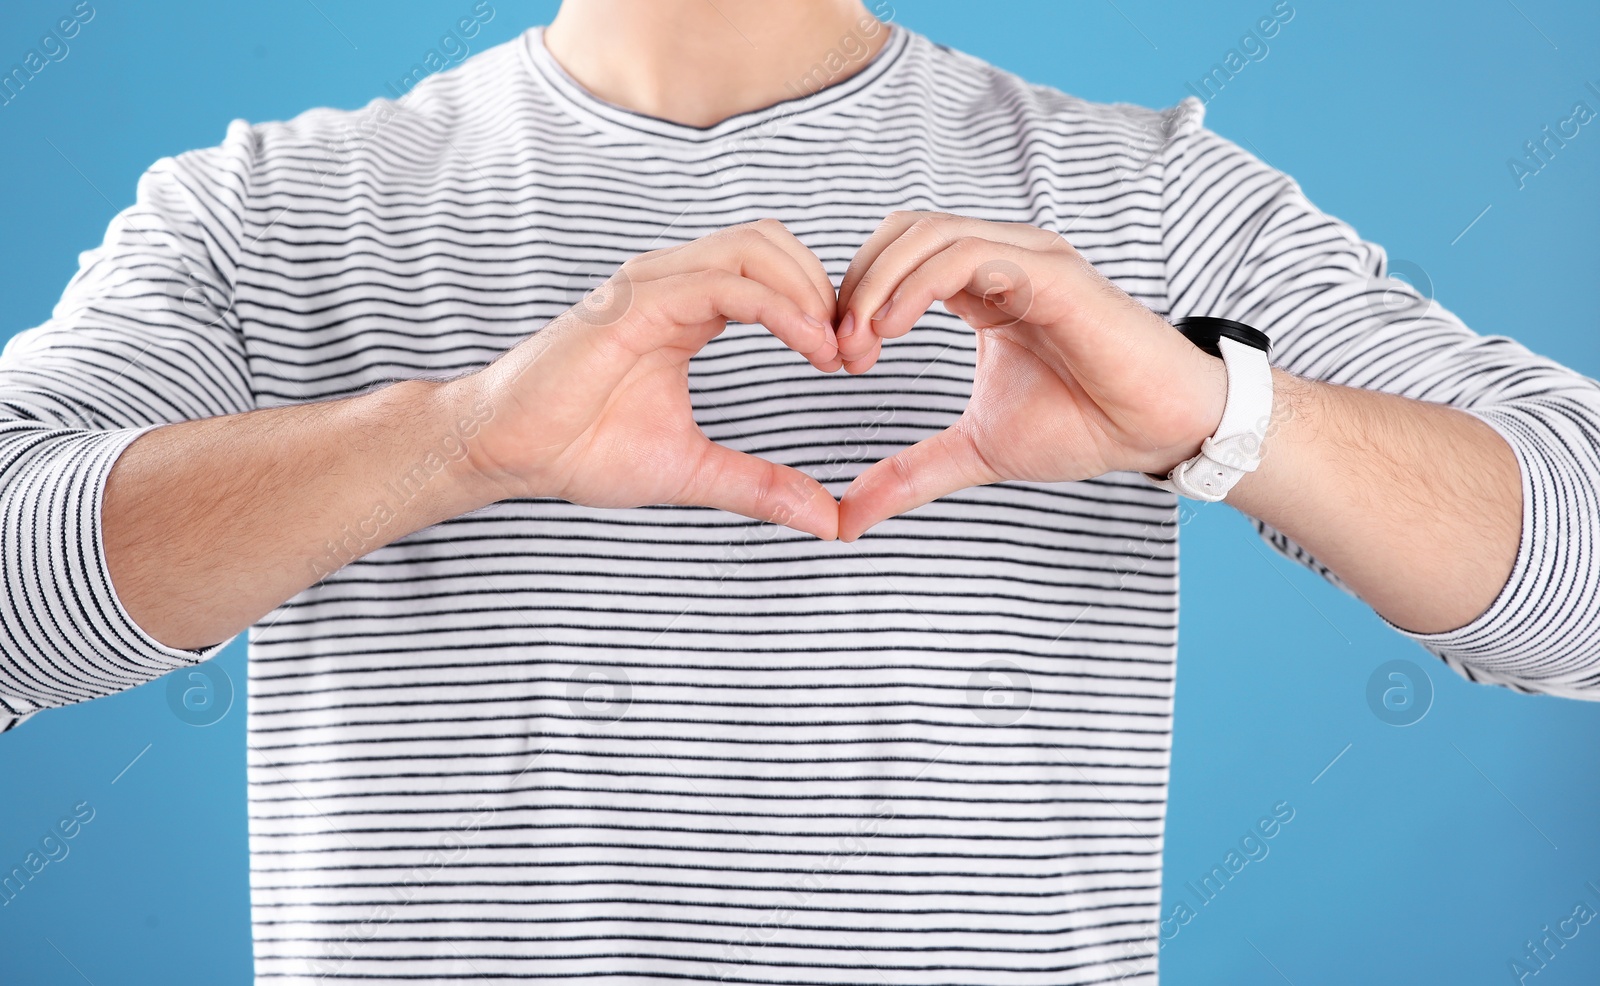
x,y
1425,854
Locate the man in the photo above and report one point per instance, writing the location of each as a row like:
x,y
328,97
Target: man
x,y
522,707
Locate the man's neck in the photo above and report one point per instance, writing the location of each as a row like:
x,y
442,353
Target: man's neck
x,y
698,62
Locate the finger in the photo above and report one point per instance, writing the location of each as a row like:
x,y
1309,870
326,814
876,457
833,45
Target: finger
x,y
934,467
753,487
884,263
1113,340
855,333
999,284
919,229
767,252
691,309
866,361
812,268
891,229
755,251
786,241
892,258
996,280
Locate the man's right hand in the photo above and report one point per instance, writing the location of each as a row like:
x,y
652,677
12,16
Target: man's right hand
x,y
209,524
594,408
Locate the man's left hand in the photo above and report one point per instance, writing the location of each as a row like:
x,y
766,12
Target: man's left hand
x,y
1074,378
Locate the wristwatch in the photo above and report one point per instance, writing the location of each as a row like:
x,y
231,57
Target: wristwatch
x,y
1235,449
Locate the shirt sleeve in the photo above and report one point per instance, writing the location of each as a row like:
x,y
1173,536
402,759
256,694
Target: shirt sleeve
x,y
145,334
1243,242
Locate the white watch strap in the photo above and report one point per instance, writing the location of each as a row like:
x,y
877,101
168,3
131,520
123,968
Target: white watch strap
x,y
1235,449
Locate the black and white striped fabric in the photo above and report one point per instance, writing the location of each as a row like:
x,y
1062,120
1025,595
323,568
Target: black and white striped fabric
x,y
549,743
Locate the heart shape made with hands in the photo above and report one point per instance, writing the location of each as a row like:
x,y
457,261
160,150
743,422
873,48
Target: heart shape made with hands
x,y
1074,378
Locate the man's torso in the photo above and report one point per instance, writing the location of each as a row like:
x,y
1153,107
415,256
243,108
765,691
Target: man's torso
x,y
551,741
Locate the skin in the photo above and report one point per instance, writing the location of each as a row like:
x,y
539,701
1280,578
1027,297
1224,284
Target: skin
x,y
1416,506
633,52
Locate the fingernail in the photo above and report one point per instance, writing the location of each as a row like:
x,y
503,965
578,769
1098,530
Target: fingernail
x,y
883,312
847,326
812,320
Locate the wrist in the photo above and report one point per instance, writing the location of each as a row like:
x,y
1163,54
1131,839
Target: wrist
x,y
1233,450
439,461
1199,392
1279,478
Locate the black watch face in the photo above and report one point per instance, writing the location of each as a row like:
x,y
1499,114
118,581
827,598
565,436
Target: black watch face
x,y
1204,331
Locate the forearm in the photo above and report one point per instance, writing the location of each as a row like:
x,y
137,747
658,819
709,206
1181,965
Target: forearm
x,y
211,524
1416,506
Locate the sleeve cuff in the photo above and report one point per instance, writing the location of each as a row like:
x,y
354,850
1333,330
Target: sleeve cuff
x,y
1540,633
70,637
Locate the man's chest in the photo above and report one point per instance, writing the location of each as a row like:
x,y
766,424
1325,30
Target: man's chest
x,y
402,280
407,289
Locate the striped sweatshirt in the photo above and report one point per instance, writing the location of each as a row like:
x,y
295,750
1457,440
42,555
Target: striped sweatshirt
x,y
547,743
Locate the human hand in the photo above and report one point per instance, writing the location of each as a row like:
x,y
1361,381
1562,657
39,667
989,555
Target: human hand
x,y
1074,378
594,408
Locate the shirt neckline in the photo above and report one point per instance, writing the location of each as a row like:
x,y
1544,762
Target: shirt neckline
x,y
571,96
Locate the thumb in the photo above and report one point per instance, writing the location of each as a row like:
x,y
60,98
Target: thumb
x,y
932,468
753,487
